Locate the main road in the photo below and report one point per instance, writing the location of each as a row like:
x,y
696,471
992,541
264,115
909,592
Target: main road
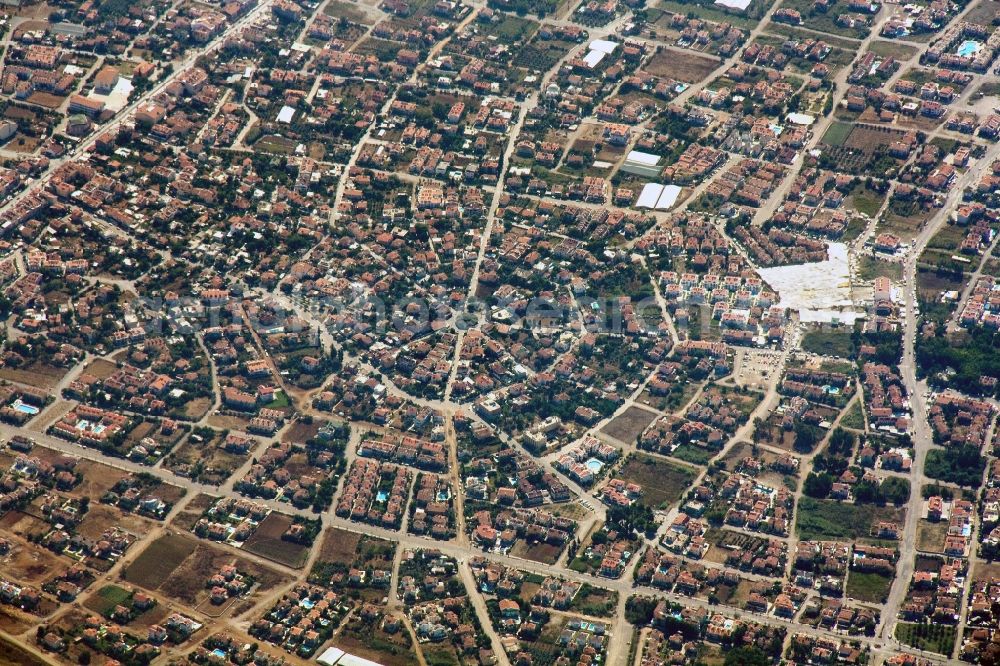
x,y
127,113
921,432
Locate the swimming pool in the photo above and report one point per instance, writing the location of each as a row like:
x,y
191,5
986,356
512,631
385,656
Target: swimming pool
x,y
969,47
382,496
83,425
219,653
594,465
24,408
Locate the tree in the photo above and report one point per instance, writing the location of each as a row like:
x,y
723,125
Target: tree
x,y
895,490
834,466
634,518
818,485
932,489
841,442
639,610
958,464
806,437
866,492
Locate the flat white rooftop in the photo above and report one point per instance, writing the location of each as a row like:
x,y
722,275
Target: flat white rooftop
x,y
354,660
669,197
734,4
821,292
330,656
639,157
593,57
603,45
650,195
660,197
800,119
598,49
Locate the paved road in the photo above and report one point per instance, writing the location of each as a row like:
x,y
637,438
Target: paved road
x,y
921,432
970,285
126,114
618,648
458,551
482,612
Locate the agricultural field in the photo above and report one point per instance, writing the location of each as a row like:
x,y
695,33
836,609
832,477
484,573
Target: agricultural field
x,y
543,552
38,374
372,642
627,427
178,566
870,268
347,10
829,341
826,21
905,219
687,67
512,28
202,458
868,587
931,536
539,55
662,482
267,541
343,551
825,520
710,11
930,637
837,134
895,50
156,564
866,201
860,148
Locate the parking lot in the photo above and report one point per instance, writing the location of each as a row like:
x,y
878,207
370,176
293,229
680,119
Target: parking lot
x,y
754,368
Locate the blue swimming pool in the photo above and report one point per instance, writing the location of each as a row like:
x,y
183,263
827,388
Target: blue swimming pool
x,y
969,47
382,496
219,653
24,408
594,465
